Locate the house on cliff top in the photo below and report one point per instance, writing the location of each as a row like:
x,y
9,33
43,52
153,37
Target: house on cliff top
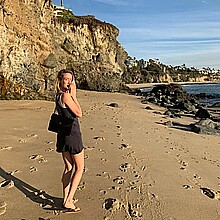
x,y
59,9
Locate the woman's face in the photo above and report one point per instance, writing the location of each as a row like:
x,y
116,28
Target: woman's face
x,y
66,81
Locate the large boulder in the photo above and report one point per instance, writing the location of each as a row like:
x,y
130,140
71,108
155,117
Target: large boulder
x,y
202,113
205,126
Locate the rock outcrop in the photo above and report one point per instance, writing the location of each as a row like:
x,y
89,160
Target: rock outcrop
x,y
35,45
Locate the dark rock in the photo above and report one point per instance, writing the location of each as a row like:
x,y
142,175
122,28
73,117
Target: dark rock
x,y
148,108
175,116
173,96
205,126
144,101
113,105
152,99
202,113
186,106
168,112
157,112
207,123
168,123
107,81
50,62
217,104
195,128
68,46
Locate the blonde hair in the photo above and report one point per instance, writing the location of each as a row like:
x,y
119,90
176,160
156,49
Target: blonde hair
x,y
60,75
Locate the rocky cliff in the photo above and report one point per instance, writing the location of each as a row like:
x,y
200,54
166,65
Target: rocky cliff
x,y
35,45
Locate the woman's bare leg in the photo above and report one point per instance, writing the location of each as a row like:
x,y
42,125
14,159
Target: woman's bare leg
x,y
77,175
66,178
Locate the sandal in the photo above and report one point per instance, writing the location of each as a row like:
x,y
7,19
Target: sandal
x,y
72,210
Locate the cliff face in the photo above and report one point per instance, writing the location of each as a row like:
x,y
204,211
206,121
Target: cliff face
x,y
35,46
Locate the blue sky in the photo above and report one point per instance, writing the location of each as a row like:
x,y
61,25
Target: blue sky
x,y
175,31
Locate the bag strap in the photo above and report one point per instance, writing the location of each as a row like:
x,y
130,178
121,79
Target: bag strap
x,y
57,98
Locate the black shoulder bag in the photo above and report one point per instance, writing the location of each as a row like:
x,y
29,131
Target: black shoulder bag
x,y
59,123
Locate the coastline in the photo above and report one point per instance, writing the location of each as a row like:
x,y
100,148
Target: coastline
x,y
150,85
136,166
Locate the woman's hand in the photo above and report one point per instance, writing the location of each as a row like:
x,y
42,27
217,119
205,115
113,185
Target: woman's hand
x,y
73,89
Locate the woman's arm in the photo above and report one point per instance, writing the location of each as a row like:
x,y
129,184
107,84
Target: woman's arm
x,y
72,103
73,94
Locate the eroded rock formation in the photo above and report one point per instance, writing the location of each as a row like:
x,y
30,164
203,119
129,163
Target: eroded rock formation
x,y
35,45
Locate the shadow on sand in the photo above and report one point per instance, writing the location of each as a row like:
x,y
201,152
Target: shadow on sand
x,y
38,196
178,126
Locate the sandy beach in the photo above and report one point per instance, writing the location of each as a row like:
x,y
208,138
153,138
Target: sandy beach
x,y
136,165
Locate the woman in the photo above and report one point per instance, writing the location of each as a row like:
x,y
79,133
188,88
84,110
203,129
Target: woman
x,y
70,146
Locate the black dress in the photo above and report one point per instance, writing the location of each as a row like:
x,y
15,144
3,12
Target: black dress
x,y
68,143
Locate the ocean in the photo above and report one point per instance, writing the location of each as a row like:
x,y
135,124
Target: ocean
x,y
210,89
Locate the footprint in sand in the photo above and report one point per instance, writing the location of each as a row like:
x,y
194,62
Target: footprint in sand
x,y
104,174
5,148
2,204
33,169
40,158
212,194
196,176
6,184
124,146
49,149
103,160
89,148
32,135
29,136
2,210
137,176
119,134
115,187
99,138
132,212
22,141
152,196
118,126
143,168
81,186
133,184
126,156
184,164
86,157
111,204
13,172
119,179
85,169
102,151
187,186
2,207
124,167
102,191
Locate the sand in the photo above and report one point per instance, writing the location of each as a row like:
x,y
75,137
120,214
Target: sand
x,y
136,165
